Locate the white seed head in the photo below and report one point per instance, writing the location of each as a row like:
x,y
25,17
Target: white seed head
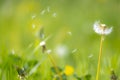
x,y
42,43
108,31
101,29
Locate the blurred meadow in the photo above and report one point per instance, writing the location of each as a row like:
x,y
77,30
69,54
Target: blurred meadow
x,y
67,28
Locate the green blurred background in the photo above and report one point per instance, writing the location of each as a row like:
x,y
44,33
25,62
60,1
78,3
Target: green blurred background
x,y
69,23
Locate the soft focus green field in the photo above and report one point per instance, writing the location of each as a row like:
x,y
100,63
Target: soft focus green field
x,y
69,34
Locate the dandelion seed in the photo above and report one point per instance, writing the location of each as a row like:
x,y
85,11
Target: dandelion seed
x,y
42,43
33,17
90,56
54,14
13,51
49,51
101,29
33,26
48,9
74,50
43,12
69,33
42,33
61,50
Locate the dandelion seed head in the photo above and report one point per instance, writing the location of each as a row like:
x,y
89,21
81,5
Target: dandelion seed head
x,y
42,43
101,29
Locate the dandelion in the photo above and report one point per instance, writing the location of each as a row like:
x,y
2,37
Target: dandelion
x,y
69,70
43,45
103,30
44,49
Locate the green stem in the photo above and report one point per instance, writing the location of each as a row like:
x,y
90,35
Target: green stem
x,y
99,58
57,70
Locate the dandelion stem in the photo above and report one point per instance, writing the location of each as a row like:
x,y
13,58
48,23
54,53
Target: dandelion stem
x,y
99,58
57,70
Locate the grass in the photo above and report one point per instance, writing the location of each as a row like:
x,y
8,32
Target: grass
x,y
70,31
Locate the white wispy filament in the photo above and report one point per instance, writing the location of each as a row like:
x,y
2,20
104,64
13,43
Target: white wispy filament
x,y
101,29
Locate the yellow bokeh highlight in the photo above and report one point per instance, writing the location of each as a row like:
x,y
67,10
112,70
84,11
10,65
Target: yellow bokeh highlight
x,y
69,70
